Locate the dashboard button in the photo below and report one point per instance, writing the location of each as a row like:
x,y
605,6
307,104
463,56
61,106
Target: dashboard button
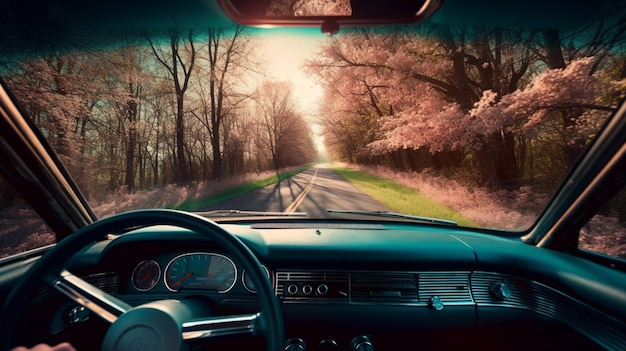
x,y
295,344
292,289
322,289
307,289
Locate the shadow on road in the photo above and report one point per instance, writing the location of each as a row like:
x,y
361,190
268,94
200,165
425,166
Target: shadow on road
x,y
274,198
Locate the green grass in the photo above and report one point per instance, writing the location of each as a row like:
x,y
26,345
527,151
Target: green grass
x,y
197,204
401,199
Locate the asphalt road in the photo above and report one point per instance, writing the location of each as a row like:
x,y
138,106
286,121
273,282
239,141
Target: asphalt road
x,y
312,191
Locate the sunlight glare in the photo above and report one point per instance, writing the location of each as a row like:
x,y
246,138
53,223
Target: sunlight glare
x,y
286,54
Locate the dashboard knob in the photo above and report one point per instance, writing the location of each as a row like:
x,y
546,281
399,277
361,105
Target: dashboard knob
x,y
328,344
361,343
295,344
307,289
435,303
292,289
322,289
501,291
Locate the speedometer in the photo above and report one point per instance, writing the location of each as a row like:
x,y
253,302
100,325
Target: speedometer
x,y
201,271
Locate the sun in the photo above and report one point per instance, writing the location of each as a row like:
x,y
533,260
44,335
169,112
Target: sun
x,y
285,53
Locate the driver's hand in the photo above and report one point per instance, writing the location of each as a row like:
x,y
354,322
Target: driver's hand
x,y
45,347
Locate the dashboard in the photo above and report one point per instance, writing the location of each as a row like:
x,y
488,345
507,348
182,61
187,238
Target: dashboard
x,y
345,284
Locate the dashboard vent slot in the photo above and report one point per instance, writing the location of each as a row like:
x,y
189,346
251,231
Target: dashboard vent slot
x,y
384,287
451,287
103,281
365,226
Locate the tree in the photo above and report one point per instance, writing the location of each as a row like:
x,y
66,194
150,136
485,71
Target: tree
x,y
226,53
178,59
53,92
285,134
434,83
308,8
127,83
347,132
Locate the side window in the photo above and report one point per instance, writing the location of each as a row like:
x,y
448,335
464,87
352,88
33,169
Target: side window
x,y
21,228
605,233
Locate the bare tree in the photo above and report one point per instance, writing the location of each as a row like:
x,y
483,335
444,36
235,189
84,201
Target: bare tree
x,y
178,59
226,54
286,136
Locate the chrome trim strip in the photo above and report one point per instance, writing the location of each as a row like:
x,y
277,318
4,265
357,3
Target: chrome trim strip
x,y
452,287
221,326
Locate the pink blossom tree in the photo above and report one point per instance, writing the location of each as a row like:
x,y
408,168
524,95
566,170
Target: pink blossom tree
x,y
479,97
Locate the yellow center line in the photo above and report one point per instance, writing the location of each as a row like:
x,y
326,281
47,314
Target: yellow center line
x,y
295,203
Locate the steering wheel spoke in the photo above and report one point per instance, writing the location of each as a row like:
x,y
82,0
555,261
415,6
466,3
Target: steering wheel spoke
x,y
97,301
244,325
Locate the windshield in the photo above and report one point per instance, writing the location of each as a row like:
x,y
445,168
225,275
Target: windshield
x,y
473,124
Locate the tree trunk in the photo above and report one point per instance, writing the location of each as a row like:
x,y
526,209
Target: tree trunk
x,y
555,60
497,161
131,117
217,157
183,172
176,66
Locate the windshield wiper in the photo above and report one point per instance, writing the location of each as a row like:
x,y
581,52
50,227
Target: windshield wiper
x,y
240,213
388,214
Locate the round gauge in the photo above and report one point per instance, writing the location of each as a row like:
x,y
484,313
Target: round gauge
x,y
247,282
146,275
204,271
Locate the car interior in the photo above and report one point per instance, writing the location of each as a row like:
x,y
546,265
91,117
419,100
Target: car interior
x,y
290,282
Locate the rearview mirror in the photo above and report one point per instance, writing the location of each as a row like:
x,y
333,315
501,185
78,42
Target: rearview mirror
x,y
330,15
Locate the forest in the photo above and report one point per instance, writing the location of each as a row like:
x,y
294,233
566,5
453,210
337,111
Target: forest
x,y
495,107
187,106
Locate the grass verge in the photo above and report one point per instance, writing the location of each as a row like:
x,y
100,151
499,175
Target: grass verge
x,y
204,202
401,199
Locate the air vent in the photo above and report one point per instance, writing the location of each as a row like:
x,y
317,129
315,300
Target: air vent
x,y
103,281
363,226
384,287
451,287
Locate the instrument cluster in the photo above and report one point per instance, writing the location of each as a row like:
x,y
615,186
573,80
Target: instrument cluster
x,y
208,271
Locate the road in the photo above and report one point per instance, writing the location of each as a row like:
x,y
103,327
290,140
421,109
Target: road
x,y
312,191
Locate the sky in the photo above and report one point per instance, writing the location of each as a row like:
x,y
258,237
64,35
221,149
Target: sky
x,y
286,53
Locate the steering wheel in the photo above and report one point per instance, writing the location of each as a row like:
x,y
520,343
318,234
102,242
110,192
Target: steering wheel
x,y
158,325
